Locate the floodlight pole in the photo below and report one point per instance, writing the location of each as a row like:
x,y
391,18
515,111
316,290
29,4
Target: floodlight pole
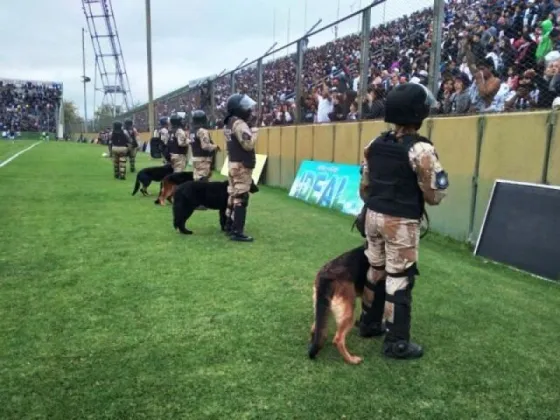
x,y
151,118
435,53
84,77
364,71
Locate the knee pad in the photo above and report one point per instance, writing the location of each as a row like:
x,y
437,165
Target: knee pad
x,y
404,296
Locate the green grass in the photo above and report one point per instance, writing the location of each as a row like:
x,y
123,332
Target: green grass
x,y
9,148
107,313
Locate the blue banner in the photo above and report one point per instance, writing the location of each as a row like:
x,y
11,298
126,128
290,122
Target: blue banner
x,y
331,185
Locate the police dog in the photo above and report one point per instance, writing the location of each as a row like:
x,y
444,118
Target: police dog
x,y
147,175
191,195
336,287
168,185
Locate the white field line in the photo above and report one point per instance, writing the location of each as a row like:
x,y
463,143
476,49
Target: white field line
x,y
21,152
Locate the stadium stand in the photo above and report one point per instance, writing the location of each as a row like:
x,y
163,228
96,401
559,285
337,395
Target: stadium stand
x,y
29,106
516,40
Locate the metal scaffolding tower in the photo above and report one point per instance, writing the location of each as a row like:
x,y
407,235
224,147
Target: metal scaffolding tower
x,y
109,60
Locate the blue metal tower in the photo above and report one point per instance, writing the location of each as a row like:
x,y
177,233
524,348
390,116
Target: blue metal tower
x,y
109,60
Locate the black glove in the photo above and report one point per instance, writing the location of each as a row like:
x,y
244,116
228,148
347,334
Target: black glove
x,y
360,222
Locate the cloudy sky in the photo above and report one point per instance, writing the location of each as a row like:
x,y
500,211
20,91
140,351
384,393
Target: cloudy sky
x,y
187,43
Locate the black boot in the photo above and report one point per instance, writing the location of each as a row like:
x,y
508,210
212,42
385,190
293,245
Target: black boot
x,y
402,350
397,344
370,323
227,227
239,215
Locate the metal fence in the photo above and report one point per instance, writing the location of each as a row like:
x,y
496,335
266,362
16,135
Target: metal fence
x,y
471,67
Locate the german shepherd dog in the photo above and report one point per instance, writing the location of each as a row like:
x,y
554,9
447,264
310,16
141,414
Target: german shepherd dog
x,y
336,287
191,195
147,175
169,184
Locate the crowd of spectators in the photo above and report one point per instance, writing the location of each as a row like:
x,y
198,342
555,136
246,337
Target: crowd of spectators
x,y
29,106
496,56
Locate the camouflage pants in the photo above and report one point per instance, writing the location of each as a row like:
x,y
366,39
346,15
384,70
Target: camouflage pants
x,y
392,253
132,158
119,161
178,162
239,184
202,169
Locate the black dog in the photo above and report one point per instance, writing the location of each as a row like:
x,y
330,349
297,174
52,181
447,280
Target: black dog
x,y
147,175
190,195
168,185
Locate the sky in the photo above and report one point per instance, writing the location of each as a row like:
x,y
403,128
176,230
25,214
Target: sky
x,y
187,44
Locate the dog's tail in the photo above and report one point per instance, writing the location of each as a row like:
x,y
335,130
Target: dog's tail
x,y
323,295
136,186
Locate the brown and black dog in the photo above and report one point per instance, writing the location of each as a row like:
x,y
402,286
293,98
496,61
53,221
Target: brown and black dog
x,y
169,184
336,287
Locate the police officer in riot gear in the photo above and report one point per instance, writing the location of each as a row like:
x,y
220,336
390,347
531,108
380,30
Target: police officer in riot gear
x,y
177,144
401,172
107,137
202,147
120,141
133,147
240,141
158,143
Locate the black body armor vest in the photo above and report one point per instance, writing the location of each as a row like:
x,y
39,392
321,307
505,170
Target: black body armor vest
x,y
236,153
196,147
173,145
119,139
393,185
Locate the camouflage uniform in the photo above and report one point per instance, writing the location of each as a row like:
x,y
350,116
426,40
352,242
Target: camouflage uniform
x,y
400,173
240,140
178,144
120,141
133,146
164,137
202,149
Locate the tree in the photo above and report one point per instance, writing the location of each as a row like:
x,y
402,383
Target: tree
x,y
73,123
103,117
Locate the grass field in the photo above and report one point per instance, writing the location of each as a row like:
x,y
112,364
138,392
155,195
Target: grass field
x,y
107,313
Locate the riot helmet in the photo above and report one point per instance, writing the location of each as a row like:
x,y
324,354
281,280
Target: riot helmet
x,y
163,121
240,106
128,124
408,104
176,121
117,126
199,118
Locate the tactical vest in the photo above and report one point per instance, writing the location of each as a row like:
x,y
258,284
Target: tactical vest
x,y
196,147
119,139
235,152
393,185
173,144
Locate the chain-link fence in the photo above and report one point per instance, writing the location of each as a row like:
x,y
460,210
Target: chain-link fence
x,y
488,57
